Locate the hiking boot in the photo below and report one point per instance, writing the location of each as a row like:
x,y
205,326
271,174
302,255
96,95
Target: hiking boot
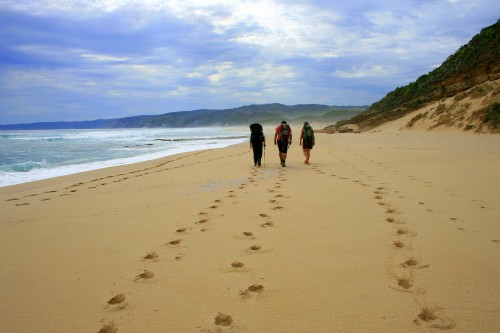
x,y
283,164
258,163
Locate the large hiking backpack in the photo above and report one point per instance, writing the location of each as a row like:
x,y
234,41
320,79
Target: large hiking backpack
x,y
256,133
308,133
284,132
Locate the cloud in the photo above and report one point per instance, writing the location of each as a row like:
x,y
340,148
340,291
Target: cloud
x,y
113,58
365,71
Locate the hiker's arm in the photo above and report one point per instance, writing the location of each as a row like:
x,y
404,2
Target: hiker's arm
x,y
275,137
301,137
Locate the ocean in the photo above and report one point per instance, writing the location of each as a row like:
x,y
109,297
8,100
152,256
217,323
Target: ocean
x,y
27,156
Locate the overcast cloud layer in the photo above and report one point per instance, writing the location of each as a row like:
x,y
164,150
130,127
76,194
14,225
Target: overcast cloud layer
x,y
90,59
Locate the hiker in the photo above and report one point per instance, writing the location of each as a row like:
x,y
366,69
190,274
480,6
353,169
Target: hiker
x,y
307,141
257,143
283,138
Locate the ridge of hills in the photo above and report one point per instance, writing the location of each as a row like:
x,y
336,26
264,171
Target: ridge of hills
x,y
244,115
463,93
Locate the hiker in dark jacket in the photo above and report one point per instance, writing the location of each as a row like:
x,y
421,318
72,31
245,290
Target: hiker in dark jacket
x,y
283,138
257,143
307,141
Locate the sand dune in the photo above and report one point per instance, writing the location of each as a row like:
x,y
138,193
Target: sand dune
x,y
384,232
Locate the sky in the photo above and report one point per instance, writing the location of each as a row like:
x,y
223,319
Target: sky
x,y
71,60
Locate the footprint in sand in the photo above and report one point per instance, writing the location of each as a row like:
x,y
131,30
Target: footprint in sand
x,y
405,232
151,256
263,215
433,317
179,256
109,328
202,221
248,234
278,207
181,230
253,289
413,262
235,267
398,244
255,249
466,230
405,282
146,275
267,224
174,242
245,235
117,301
223,320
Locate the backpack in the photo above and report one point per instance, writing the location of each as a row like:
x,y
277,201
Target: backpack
x,y
308,133
256,133
284,132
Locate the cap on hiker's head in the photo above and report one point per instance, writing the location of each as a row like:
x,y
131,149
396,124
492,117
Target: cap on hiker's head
x,y
306,123
283,122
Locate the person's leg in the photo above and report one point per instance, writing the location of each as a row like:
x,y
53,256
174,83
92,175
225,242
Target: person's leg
x,y
280,149
308,155
259,155
285,150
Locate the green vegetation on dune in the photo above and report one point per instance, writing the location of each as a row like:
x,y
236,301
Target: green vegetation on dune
x,y
470,66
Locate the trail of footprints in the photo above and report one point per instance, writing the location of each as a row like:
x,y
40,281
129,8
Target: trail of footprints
x,y
119,301
103,181
404,273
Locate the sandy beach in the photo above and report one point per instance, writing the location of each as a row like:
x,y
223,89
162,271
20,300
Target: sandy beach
x,y
389,231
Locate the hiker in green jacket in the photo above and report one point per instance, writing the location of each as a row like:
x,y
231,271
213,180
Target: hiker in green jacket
x,y
307,141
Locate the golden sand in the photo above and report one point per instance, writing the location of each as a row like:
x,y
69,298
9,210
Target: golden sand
x,y
383,232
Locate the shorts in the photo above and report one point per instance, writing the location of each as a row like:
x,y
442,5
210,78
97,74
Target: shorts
x,y
307,145
282,146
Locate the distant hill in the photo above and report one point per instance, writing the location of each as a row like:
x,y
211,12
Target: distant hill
x,y
462,93
244,115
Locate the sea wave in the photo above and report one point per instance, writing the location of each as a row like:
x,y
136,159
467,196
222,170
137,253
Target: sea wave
x,y
91,151
204,138
24,167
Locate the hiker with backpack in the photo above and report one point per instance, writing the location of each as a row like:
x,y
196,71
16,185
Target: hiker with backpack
x,y
257,143
307,141
283,138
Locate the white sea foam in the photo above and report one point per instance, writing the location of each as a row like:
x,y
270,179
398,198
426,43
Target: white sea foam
x,y
27,156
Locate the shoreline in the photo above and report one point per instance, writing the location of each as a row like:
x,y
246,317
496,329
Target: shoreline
x,y
14,178
201,240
